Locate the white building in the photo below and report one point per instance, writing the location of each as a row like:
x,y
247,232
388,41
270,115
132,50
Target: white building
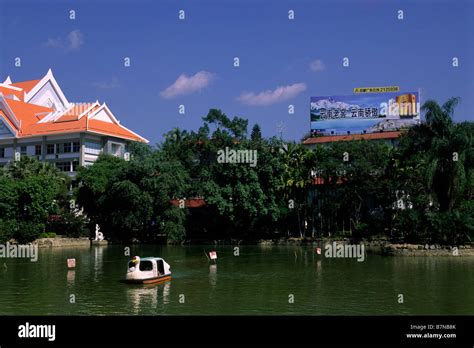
x,y
37,120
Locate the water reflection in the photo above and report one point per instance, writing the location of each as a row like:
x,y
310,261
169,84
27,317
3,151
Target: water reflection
x,y
318,267
166,293
71,277
98,261
213,274
148,296
142,296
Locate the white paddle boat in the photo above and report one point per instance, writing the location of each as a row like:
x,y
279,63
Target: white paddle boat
x,y
147,270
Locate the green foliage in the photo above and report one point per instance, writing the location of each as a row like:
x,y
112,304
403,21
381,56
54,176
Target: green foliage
x,y
47,235
7,230
173,224
28,231
9,198
256,135
30,192
129,199
454,227
433,166
69,224
420,191
237,127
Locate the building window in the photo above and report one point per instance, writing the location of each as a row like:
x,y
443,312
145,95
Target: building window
x,y
23,150
75,164
93,148
38,150
50,149
75,146
67,147
64,166
2,152
116,149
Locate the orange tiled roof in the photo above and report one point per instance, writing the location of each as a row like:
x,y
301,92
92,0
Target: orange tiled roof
x,y
67,118
73,113
26,85
190,203
9,91
112,129
349,137
79,125
320,180
69,121
27,113
54,128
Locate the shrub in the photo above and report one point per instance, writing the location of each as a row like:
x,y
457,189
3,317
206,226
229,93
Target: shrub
x,y
408,227
173,226
28,231
47,235
7,230
455,227
70,225
361,230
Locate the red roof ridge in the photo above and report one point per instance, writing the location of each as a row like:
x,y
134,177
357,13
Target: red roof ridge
x,y
349,137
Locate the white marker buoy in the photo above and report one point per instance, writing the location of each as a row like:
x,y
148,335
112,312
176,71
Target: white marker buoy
x,y
71,263
213,255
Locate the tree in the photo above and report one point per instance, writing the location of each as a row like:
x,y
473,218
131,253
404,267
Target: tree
x,y
127,210
94,181
296,179
132,199
237,127
435,162
30,191
256,135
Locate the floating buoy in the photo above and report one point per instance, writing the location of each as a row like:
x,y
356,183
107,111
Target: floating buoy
x,y
71,263
317,251
213,255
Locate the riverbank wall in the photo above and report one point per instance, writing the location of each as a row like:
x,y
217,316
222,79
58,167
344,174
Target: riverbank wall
x,y
375,246
61,242
383,247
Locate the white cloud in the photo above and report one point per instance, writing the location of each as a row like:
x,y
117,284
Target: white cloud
x,y
185,85
108,85
55,43
74,40
269,97
317,65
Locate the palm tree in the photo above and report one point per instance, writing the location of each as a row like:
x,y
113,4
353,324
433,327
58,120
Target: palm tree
x,y
446,146
296,177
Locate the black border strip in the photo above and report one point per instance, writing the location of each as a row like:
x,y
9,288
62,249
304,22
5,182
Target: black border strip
x,y
224,330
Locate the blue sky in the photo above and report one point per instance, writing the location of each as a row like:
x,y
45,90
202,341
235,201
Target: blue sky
x,y
282,61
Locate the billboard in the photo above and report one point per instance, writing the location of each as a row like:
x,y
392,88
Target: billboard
x,y
364,113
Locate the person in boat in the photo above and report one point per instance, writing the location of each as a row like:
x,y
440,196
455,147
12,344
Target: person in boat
x,y
133,264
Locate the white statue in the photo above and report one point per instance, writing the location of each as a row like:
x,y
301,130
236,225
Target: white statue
x,y
98,235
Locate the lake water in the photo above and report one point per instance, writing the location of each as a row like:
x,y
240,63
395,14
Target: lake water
x,y
262,280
